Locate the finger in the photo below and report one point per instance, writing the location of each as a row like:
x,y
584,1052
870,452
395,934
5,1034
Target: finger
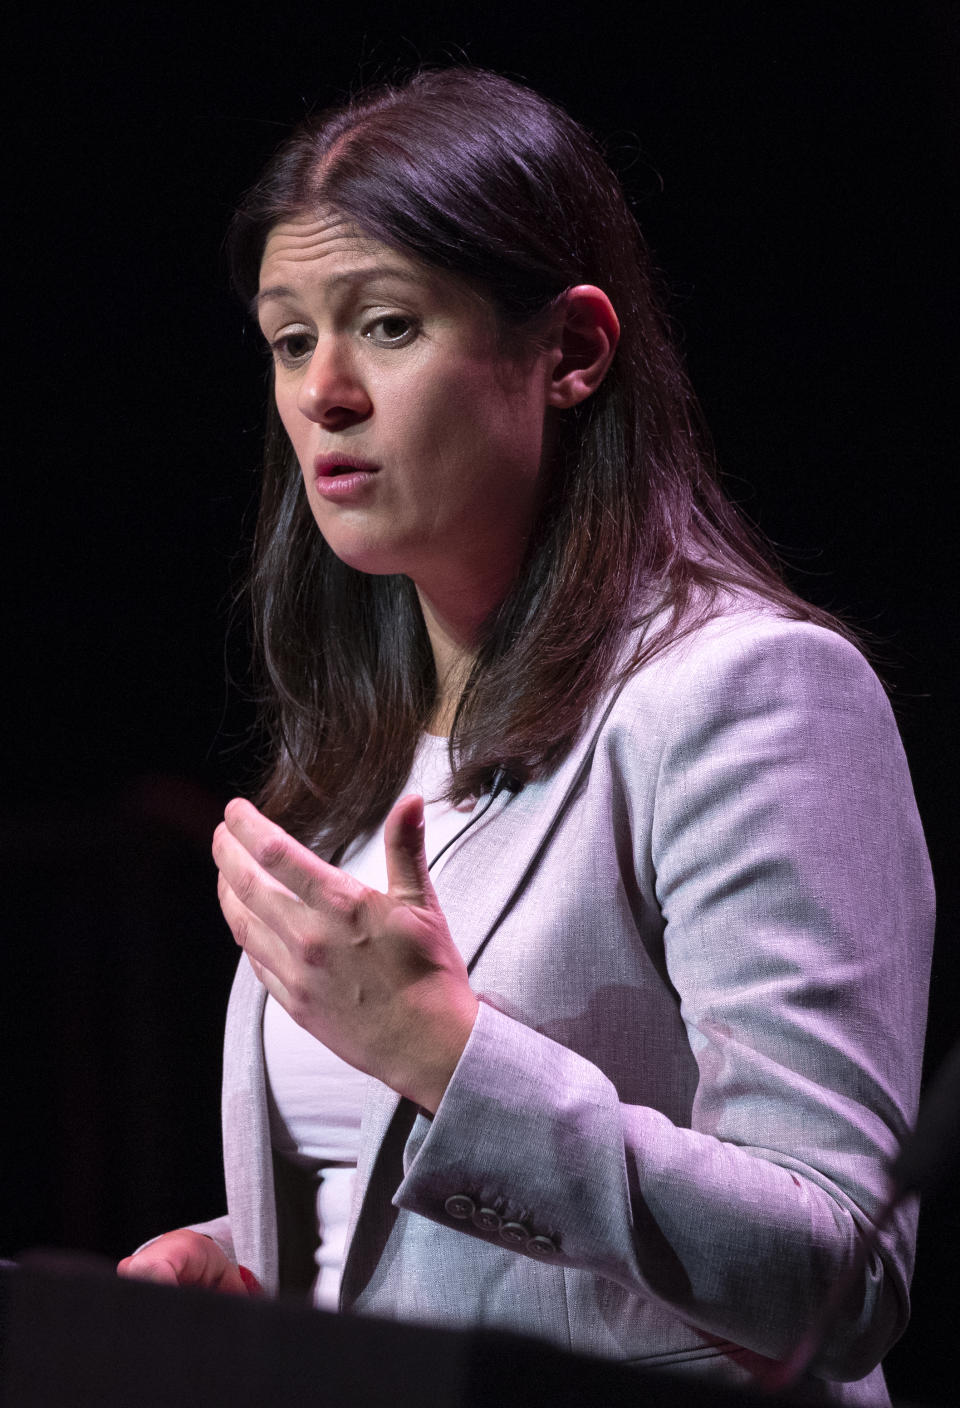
x,y
253,1286
176,1258
266,949
408,878
269,980
267,920
254,887
138,1269
231,1281
311,880
266,953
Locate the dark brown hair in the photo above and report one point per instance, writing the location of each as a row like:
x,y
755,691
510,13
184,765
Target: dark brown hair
x,y
475,175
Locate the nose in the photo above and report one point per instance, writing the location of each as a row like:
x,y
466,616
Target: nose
x,y
331,392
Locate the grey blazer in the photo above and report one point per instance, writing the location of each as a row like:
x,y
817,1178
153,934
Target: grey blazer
x,y
702,948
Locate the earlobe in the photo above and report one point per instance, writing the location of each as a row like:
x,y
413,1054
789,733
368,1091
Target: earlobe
x,y
588,337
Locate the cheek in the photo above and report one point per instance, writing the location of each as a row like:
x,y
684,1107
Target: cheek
x,y
466,416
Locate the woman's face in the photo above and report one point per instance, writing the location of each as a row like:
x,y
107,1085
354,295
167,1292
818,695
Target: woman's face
x,y
420,443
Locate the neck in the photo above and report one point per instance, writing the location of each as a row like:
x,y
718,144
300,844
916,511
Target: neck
x,y
455,612
453,638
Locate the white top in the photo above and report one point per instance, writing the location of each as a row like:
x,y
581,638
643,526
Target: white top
x,y
315,1099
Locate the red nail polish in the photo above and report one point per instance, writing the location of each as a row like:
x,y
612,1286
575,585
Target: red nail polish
x,y
253,1286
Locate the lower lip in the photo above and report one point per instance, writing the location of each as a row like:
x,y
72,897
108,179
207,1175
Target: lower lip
x,y
344,486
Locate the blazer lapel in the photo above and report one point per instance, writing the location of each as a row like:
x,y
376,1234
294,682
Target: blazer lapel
x,y
247,1156
477,888
487,872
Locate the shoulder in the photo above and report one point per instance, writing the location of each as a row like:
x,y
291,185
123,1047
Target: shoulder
x,y
747,666
749,639
759,731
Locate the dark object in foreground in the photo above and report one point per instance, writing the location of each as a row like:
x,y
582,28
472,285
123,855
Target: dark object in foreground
x,y
930,1158
79,1337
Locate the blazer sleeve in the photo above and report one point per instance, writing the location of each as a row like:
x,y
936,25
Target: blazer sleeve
x,y
793,882
219,1231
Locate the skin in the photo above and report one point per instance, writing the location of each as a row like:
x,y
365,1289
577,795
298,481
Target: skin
x,y
400,367
184,1258
381,358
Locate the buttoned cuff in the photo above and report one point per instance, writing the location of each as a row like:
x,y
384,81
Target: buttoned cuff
x,y
509,1155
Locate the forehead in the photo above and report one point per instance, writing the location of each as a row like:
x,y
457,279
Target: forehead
x,y
324,250
314,239
324,258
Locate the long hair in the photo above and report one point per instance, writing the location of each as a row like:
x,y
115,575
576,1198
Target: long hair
x,y
475,175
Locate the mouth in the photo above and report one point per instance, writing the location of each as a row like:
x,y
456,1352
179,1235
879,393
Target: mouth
x,y
333,466
343,479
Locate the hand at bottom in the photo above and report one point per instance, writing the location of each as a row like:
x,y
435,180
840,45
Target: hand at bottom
x,y
185,1258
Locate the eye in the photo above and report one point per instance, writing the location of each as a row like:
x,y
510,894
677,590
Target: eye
x,y
391,330
290,348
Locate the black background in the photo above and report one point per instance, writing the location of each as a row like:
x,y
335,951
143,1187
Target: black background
x,y
793,168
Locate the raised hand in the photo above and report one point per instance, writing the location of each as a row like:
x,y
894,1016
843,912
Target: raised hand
x,y
376,977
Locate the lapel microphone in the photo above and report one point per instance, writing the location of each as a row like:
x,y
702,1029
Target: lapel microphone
x,y
502,781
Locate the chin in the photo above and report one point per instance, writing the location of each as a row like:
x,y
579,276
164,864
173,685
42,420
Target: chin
x,y
374,559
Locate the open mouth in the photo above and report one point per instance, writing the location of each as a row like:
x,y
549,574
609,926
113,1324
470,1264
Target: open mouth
x,y
336,466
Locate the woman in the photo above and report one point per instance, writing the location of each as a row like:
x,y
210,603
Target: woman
x,y
600,1049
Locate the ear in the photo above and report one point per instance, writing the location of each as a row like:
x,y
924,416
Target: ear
x,y
587,338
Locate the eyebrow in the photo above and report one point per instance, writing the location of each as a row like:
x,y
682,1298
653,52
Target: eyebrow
x,y
350,276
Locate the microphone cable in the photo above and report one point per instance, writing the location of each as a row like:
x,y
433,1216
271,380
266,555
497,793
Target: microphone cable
x,y
501,781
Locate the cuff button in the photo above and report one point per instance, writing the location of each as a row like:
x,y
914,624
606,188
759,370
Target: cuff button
x,y
514,1233
541,1246
487,1219
460,1206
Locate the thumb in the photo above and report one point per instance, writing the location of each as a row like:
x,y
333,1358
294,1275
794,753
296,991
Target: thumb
x,y
408,878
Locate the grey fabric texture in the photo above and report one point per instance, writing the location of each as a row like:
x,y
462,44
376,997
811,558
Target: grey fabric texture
x,y
702,951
